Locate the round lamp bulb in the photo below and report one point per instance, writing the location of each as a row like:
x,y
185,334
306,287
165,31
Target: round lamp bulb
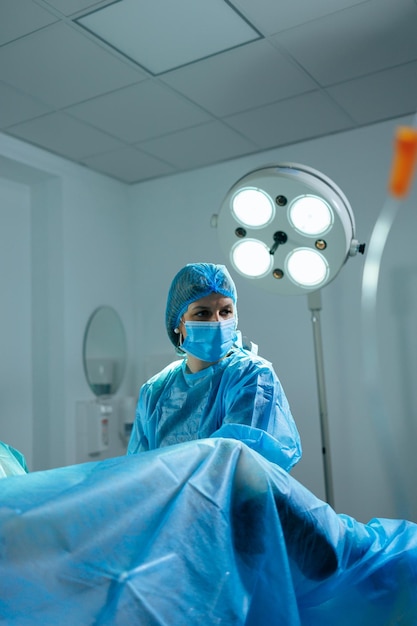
x,y
307,267
251,258
253,207
310,215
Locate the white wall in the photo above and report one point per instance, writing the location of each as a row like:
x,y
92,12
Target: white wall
x,y
95,241
72,245
15,316
172,220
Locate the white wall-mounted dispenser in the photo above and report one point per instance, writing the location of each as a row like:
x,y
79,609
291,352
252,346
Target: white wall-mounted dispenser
x,y
95,419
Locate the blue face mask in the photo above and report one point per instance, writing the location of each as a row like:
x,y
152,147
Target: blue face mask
x,y
209,341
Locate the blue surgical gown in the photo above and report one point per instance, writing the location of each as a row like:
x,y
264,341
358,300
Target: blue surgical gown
x,y
240,397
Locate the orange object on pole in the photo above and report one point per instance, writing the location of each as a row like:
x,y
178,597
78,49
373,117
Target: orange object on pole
x,y
404,160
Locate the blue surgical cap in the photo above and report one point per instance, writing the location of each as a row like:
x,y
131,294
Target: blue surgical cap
x,y
195,281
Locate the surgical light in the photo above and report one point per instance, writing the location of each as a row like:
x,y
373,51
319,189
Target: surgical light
x,y
403,166
290,230
284,208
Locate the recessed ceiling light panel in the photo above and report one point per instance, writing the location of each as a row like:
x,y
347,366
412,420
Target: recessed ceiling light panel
x,y
155,34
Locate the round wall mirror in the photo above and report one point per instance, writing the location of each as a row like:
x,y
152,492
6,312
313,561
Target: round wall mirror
x,y
104,351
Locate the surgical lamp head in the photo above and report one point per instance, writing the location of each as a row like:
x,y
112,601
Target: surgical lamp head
x,y
287,227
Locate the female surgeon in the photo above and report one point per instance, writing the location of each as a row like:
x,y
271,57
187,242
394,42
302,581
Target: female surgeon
x,y
218,389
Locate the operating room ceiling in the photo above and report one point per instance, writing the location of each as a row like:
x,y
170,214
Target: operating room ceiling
x,y
139,89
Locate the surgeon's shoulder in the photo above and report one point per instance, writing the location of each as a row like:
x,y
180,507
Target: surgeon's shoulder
x,y
246,360
166,374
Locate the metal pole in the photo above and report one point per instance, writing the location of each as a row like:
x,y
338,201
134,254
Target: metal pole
x,y
314,304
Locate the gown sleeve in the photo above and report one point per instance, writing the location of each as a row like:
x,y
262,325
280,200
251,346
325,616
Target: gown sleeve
x,y
138,441
257,412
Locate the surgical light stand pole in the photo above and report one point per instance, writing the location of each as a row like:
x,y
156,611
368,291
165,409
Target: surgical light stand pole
x,y
314,304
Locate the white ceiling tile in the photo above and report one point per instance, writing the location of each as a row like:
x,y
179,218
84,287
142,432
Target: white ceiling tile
x,y
60,66
380,96
139,112
335,64
271,16
355,42
20,18
65,136
128,165
296,119
156,35
199,146
16,107
240,79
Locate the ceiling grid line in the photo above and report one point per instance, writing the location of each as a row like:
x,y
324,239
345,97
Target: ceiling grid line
x,y
307,74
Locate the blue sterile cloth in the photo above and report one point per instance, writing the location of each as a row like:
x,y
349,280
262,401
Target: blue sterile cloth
x,y
201,533
12,461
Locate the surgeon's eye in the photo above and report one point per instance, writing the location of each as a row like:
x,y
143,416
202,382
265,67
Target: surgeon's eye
x,y
203,314
228,312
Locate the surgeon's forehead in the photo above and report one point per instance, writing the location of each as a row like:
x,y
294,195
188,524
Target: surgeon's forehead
x,y
213,300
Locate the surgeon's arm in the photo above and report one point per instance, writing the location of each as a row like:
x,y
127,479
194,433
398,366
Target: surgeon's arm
x,y
257,412
138,441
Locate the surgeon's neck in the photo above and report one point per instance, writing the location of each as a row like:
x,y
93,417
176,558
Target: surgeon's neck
x,y
195,365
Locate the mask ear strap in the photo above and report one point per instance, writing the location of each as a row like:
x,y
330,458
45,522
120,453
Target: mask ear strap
x,y
180,338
